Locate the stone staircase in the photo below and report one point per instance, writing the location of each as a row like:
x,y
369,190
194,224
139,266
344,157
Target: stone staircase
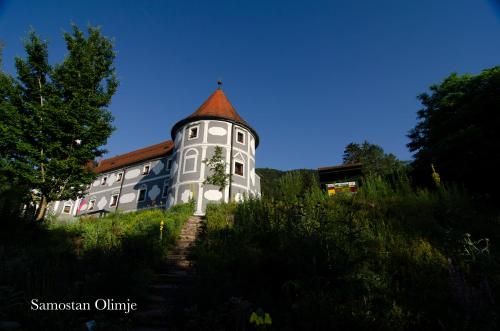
x,y
170,293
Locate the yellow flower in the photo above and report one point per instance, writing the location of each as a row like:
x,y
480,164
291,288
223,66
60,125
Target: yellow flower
x,y
435,176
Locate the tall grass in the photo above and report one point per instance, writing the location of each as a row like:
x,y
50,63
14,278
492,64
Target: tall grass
x,y
111,257
390,257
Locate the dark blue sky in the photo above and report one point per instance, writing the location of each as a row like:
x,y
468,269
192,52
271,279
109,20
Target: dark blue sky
x,y
309,76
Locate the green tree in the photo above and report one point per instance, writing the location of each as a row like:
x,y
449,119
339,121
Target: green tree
x,y
217,166
457,131
63,113
12,191
373,158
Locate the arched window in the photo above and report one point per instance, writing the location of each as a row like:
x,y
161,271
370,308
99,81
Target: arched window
x,y
190,161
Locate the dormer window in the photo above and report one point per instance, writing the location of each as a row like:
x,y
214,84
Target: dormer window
x,y
145,169
193,132
104,180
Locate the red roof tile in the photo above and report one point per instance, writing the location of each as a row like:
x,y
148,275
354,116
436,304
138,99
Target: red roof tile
x,y
146,153
216,106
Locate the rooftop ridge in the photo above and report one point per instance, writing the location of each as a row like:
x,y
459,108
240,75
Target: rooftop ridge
x,y
138,155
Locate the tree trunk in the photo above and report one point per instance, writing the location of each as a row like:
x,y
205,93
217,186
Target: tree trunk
x,y
42,209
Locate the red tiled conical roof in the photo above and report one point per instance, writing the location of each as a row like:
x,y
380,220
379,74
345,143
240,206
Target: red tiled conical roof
x,y
217,106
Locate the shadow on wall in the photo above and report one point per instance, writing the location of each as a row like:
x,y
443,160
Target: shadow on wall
x,y
137,187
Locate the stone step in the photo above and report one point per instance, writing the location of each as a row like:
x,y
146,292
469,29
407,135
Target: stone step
x,y
151,316
165,286
173,278
148,328
180,264
171,293
154,299
177,257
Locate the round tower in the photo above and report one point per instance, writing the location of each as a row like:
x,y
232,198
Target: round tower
x,y
215,123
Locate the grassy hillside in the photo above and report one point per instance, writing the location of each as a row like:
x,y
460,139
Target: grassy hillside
x,y
110,257
391,257
270,178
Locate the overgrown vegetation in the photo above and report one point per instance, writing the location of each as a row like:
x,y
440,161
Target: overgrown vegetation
x,y
111,257
456,126
270,179
388,258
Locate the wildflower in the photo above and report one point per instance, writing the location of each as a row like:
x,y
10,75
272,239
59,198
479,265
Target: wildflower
x,y
260,318
161,229
435,176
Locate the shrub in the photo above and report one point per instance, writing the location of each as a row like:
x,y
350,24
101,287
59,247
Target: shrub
x,y
110,257
382,258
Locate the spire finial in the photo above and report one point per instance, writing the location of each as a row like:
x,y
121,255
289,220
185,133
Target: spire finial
x,y
219,84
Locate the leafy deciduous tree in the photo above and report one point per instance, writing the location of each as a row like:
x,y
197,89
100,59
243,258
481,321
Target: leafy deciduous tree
x,y
61,115
373,158
458,131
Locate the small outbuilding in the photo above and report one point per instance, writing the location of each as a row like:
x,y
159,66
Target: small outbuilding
x,y
340,179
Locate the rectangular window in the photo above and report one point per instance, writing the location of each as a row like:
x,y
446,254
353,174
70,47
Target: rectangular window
x,y
91,204
104,180
145,170
238,168
114,200
240,137
169,164
119,177
142,194
193,132
67,208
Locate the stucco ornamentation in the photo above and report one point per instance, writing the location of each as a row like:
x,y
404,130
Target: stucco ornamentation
x,y
252,176
213,195
154,192
186,195
252,146
132,173
174,168
102,203
170,201
178,139
111,179
126,198
158,167
83,206
217,131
